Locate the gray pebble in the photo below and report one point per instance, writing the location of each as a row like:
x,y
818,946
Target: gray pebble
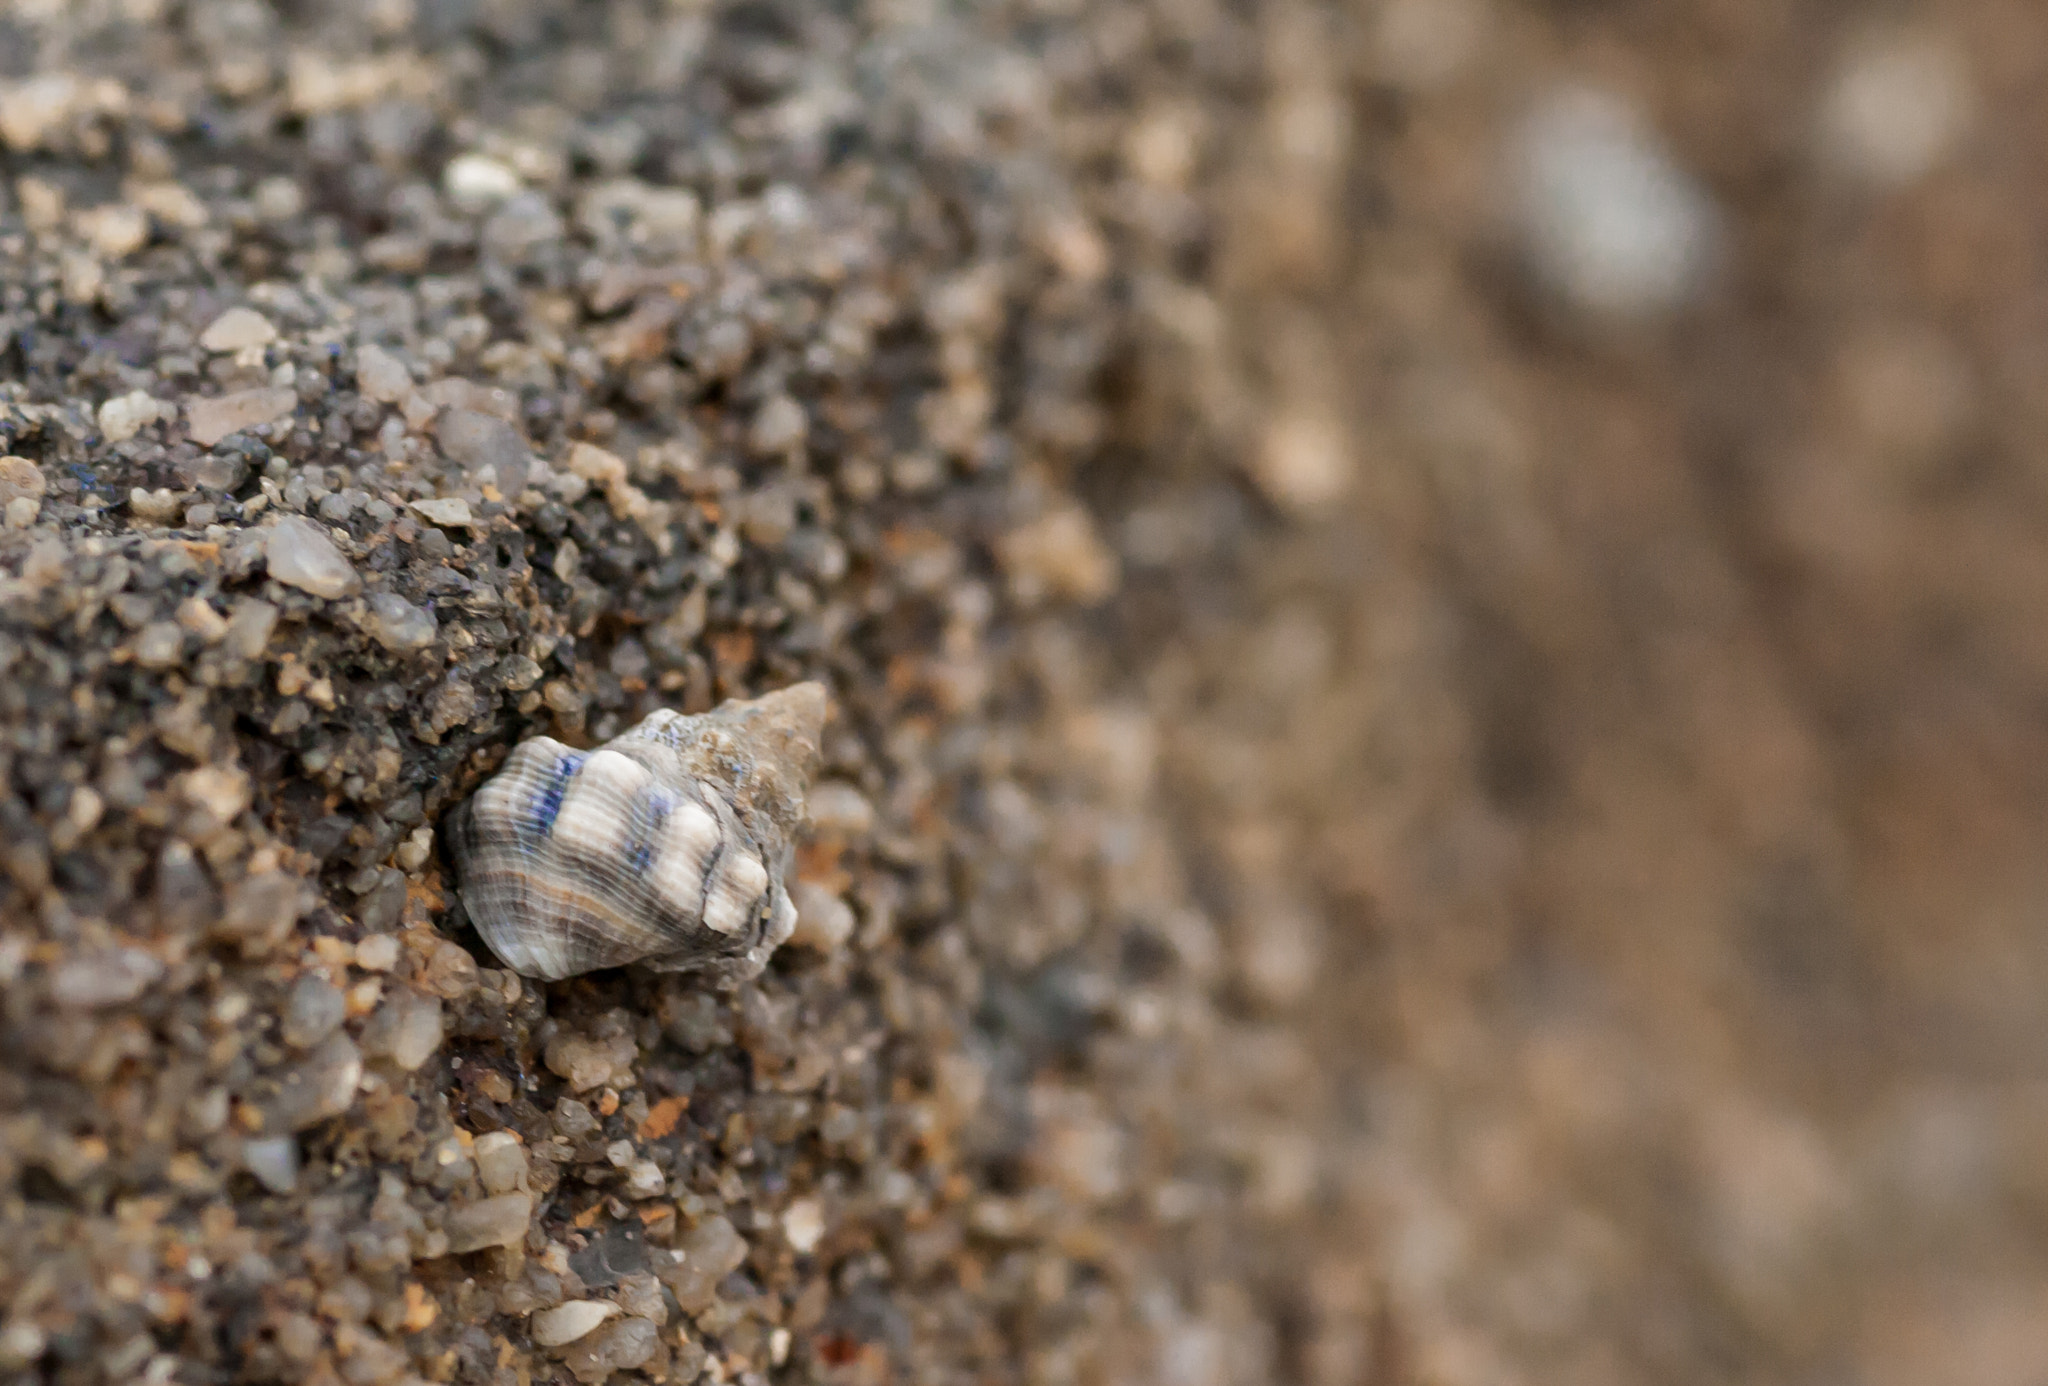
x,y
321,1085
499,1220
619,1346
406,1029
1608,219
398,625
111,978
274,1160
313,1011
476,441
301,555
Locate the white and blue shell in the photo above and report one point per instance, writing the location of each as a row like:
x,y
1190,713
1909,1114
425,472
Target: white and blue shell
x,y
665,847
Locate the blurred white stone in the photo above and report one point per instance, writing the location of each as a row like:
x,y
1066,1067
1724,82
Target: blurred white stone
x,y
274,1160
238,329
803,1223
1607,219
1304,459
124,416
823,920
1899,103
567,1322
474,182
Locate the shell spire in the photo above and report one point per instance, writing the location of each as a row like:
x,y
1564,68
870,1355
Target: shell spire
x,y
666,846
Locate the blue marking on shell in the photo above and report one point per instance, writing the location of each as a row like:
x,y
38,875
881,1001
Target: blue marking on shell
x,y
548,802
655,805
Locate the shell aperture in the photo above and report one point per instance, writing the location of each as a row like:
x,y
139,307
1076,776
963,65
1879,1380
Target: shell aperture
x,y
665,847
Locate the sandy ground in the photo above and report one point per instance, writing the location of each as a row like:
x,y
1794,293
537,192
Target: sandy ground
x,y
1435,618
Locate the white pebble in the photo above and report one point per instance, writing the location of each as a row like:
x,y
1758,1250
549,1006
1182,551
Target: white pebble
x,y
567,1322
123,416
499,1220
803,1224
210,420
274,1160
238,329
837,807
113,977
1305,460
301,555
381,376
823,920
644,1179
474,182
1898,105
377,953
451,512
412,853
500,1162
1607,218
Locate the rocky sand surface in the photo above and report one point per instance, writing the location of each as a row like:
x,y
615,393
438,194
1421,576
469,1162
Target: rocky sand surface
x,y
1432,610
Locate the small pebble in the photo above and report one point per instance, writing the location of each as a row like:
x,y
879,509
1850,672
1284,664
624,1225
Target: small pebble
x,y
20,479
447,511
398,625
1059,555
499,1220
157,507
1899,104
406,1029
1305,461
567,1322
116,229
210,420
779,426
32,110
320,1086
476,442
618,1346
197,615
110,978
823,920
644,1180
301,555
711,1251
238,329
803,1225
159,645
124,416
474,182
21,512
586,1063
274,1161
500,1162
412,853
249,628
21,1343
1607,218
313,1011
377,953
381,376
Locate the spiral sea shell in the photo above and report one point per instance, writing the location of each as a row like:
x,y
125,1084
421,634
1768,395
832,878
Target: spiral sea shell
x,y
666,846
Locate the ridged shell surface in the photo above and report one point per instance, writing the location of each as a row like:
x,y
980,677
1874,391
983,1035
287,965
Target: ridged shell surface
x,y
666,846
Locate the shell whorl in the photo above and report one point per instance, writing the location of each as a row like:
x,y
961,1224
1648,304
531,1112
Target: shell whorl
x,y
666,846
